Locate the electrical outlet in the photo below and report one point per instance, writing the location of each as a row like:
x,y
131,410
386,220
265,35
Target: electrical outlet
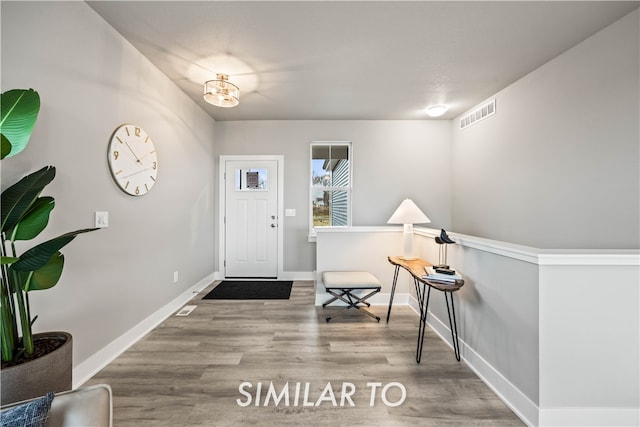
x,y
175,277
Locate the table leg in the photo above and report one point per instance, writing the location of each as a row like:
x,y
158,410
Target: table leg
x,y
424,307
393,291
453,326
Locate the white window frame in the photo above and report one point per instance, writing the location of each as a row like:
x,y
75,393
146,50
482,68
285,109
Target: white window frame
x,y
348,188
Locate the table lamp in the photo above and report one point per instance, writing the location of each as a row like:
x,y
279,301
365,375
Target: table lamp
x,y
408,214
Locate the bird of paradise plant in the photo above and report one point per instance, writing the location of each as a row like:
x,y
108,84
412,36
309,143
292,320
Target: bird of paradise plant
x,y
24,215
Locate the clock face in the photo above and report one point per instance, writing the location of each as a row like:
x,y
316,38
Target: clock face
x,y
133,160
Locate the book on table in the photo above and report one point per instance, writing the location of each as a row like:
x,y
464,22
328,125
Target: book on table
x,y
440,277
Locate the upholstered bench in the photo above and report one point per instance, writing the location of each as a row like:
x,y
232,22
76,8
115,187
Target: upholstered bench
x,y
343,284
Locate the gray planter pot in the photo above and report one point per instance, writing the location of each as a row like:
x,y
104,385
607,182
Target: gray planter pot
x,y
51,372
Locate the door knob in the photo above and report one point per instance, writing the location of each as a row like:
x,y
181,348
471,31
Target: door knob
x,y
273,217
273,226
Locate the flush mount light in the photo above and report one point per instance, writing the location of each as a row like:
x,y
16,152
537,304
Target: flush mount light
x,y
221,92
436,110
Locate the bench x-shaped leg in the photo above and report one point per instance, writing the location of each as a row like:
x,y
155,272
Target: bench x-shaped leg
x,y
352,301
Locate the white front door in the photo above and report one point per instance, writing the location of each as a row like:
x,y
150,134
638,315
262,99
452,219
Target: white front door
x,y
251,218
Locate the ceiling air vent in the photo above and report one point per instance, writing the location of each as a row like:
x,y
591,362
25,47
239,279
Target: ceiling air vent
x,y
478,114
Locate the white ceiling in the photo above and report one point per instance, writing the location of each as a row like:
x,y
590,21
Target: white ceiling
x,y
353,60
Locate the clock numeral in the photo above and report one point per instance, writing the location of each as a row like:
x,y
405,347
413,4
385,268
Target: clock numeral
x,y
137,190
116,153
137,131
146,139
118,138
147,188
127,130
150,176
119,172
155,165
126,185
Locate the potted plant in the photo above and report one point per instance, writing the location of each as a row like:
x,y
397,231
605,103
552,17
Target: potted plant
x,y
24,215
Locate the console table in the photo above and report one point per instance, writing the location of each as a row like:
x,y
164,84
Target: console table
x,y
416,267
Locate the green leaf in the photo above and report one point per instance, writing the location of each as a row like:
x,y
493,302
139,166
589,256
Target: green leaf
x,y
16,200
34,220
47,276
5,148
38,256
8,260
20,109
18,279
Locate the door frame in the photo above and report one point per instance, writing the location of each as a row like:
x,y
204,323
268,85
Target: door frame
x,y
222,202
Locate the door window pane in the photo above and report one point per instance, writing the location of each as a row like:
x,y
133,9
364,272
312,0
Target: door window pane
x,y
251,179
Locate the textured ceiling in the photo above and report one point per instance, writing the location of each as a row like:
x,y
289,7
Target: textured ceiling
x,y
353,60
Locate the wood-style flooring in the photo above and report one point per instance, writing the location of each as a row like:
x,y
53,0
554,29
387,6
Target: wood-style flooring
x,y
190,370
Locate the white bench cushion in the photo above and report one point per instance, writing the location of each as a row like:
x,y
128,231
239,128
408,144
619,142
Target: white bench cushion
x,y
349,279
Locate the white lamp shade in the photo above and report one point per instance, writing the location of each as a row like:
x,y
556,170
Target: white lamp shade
x,y
408,213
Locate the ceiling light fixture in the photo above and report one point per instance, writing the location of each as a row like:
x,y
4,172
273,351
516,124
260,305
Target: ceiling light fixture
x,y
221,92
436,110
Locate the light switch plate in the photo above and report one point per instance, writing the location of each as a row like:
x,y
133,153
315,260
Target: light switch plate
x,y
101,219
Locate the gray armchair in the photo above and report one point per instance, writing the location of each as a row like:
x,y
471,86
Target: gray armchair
x,y
82,407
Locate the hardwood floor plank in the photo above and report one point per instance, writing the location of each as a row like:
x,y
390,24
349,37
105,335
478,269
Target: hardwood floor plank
x,y
190,370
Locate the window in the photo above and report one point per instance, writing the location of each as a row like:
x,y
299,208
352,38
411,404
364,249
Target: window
x,y
251,179
330,185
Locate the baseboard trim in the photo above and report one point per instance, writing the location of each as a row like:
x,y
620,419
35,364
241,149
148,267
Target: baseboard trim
x,y
590,417
517,401
91,366
297,275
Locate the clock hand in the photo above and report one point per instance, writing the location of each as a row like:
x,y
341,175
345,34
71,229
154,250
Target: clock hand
x,y
153,151
134,154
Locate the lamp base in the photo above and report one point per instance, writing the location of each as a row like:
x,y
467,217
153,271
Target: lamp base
x,y
407,243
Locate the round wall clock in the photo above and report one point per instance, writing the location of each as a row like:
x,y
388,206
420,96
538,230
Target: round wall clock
x,y
133,160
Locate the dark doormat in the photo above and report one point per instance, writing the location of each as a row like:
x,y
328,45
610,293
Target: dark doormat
x,y
251,289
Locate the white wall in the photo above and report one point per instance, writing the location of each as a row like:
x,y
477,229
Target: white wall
x,y
558,165
590,342
90,81
392,160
